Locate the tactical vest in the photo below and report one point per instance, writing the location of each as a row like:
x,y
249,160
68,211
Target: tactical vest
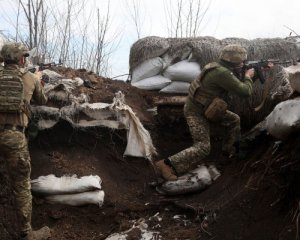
x,y
197,82
11,91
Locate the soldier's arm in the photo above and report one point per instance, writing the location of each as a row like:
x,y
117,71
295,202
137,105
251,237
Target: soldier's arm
x,y
232,84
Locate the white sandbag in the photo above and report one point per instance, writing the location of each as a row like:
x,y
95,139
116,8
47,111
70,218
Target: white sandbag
x,y
294,76
195,180
182,71
78,199
146,69
176,87
52,185
153,83
284,119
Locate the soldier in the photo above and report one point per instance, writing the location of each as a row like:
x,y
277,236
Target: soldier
x,y
205,104
17,88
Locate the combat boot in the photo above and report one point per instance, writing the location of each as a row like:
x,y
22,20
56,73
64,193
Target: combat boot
x,y
41,234
166,171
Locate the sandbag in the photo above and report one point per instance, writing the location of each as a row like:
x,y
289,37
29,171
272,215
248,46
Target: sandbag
x,y
78,199
176,87
148,68
195,180
293,74
52,185
153,83
182,71
284,119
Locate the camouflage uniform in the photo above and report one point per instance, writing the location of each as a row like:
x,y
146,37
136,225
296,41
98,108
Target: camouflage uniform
x,y
14,148
216,82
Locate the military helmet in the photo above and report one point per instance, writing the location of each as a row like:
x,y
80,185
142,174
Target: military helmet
x,y
13,52
233,53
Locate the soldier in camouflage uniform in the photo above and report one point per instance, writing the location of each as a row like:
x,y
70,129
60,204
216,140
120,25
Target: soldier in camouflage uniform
x,y
214,83
13,143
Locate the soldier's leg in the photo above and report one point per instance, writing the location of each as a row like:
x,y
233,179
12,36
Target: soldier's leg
x,y
19,169
200,132
231,124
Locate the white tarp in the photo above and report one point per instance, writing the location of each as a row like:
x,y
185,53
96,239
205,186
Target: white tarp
x,y
284,119
139,142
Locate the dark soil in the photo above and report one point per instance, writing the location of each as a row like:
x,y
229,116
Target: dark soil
x,y
255,198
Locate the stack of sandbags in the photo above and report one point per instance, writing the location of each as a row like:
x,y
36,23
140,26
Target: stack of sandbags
x,y
148,76
170,72
69,190
146,64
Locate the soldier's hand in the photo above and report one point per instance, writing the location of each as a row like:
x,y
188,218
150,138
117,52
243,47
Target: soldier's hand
x,y
250,73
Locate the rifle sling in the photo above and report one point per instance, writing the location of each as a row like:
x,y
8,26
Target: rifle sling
x,y
266,91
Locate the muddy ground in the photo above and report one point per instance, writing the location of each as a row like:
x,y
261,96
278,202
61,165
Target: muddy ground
x,y
255,198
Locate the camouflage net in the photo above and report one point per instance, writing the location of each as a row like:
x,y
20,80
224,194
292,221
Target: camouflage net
x,y
146,48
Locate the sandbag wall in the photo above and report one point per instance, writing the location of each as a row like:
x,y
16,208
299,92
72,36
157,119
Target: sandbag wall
x,y
169,65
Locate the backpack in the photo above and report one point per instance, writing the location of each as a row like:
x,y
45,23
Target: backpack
x,y
11,91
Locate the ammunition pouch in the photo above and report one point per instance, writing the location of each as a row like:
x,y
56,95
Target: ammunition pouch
x,y
216,110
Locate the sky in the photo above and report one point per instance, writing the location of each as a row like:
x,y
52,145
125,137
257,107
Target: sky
x,y
224,18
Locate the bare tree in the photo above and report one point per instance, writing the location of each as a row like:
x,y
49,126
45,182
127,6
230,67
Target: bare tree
x,y
134,8
32,11
185,17
62,31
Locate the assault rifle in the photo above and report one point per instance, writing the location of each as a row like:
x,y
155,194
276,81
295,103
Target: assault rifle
x,y
43,66
261,65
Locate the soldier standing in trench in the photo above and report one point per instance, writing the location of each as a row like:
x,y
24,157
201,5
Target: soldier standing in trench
x,y
205,104
17,88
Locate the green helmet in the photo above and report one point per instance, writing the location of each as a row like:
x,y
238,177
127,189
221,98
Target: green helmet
x,y
233,53
13,52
